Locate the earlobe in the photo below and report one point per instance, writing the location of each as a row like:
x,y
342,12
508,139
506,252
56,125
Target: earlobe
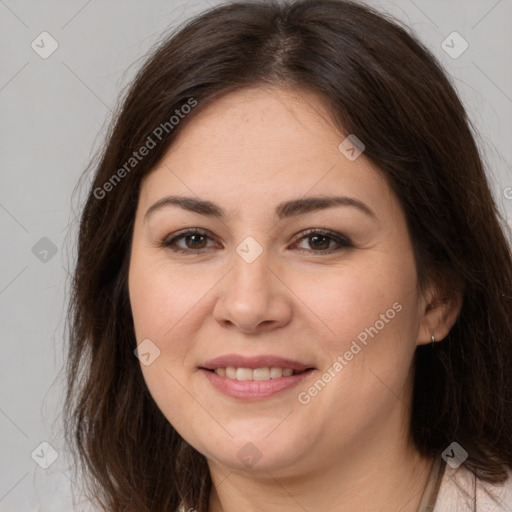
x,y
439,317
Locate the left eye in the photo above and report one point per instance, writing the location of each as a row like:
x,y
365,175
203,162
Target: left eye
x,y
320,240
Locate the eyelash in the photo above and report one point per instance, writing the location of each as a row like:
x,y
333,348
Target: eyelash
x,y
340,240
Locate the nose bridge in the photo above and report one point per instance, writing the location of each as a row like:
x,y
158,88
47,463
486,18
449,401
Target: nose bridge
x,y
250,260
250,278
251,294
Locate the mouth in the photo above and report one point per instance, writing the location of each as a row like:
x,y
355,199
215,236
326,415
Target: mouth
x,y
259,374
254,378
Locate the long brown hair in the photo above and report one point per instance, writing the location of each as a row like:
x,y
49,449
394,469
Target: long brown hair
x,y
381,84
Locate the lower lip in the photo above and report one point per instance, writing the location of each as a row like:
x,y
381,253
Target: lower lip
x,y
253,389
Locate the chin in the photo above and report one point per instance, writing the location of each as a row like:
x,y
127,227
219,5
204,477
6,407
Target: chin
x,y
259,454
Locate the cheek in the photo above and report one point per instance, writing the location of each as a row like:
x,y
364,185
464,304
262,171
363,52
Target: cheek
x,y
369,313
162,297
159,304
369,337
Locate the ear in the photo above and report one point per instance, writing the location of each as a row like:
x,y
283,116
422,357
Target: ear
x,y
441,311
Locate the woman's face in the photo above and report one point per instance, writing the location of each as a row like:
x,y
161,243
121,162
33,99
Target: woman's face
x,y
274,273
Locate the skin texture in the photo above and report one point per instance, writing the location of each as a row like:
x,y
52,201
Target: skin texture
x,y
348,449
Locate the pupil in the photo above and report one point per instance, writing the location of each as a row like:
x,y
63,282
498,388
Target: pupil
x,y
316,237
194,237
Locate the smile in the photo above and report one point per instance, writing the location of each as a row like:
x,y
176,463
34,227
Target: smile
x,y
254,384
265,373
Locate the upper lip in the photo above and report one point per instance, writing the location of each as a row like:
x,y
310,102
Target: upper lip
x,y
254,362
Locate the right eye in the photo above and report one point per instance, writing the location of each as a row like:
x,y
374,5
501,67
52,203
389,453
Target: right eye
x,y
194,241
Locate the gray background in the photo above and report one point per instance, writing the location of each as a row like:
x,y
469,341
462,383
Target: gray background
x,y
54,113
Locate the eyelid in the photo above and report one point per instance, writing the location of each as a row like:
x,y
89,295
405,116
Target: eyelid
x,y
342,241
325,232
168,242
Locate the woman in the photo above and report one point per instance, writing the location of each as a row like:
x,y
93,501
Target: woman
x,y
293,286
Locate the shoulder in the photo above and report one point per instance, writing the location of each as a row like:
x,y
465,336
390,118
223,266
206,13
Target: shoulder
x,y
461,491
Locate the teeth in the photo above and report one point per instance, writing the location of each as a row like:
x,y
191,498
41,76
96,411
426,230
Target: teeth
x,y
257,374
243,374
261,374
275,373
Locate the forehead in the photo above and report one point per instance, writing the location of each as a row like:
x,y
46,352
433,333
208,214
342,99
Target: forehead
x,y
262,142
268,123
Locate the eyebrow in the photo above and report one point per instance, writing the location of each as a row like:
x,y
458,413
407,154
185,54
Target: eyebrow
x,y
283,210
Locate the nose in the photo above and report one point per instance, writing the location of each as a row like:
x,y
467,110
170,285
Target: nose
x,y
252,297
